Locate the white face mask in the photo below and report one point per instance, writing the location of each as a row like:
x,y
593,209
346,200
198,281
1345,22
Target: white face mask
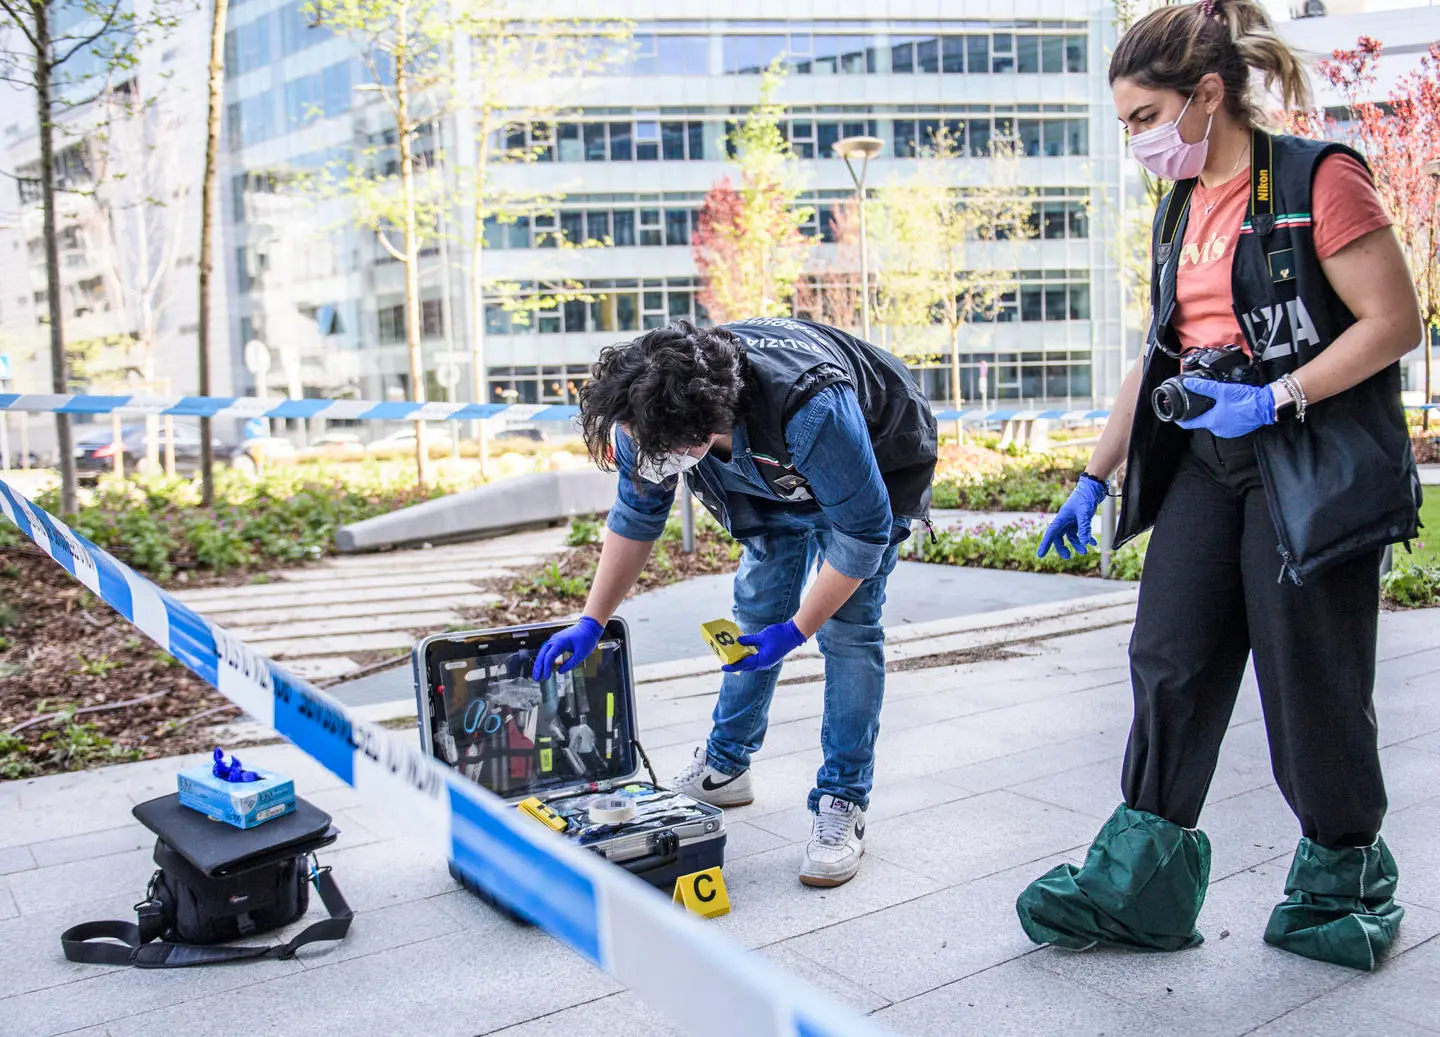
x,y
665,467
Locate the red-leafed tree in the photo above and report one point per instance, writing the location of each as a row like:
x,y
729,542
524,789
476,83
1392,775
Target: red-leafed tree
x,y
748,244
1400,137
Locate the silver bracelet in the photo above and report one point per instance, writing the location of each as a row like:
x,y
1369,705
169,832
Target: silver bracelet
x,y
1292,384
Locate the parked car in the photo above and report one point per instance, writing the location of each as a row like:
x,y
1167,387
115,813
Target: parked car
x,y
402,442
95,451
523,433
335,446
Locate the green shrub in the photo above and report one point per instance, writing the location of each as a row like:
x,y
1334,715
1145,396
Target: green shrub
x,y
217,545
14,758
553,579
76,746
1412,586
583,530
1033,484
1014,547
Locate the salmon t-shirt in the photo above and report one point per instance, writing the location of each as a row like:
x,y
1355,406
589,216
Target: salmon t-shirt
x,y
1345,206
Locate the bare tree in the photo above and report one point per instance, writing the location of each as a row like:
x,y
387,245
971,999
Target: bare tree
x,y
58,51
136,226
216,94
949,251
406,44
527,67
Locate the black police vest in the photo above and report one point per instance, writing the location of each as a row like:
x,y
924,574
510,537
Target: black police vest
x,y
788,361
1344,480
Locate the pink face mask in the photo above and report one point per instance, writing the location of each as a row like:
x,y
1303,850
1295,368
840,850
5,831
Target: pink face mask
x,y
1166,154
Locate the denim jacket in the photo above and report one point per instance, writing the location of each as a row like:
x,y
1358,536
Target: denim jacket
x,y
829,444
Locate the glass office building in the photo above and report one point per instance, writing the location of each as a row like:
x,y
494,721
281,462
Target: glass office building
x,y
634,155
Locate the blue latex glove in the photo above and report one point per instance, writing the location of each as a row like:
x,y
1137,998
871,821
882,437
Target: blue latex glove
x,y
1238,411
1073,522
578,640
772,644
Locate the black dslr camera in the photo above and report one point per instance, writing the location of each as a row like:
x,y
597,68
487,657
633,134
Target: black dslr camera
x,y
1173,402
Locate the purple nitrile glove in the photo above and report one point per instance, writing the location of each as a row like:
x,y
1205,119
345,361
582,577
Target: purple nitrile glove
x,y
772,644
578,640
1238,411
1073,521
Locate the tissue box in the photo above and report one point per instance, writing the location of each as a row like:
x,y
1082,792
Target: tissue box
x,y
243,804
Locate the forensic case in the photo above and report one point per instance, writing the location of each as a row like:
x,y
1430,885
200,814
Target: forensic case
x,y
566,750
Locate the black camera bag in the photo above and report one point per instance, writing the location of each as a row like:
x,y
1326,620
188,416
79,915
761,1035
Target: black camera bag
x,y
216,883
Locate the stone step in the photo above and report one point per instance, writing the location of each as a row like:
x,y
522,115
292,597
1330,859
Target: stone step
x,y
337,644
431,620
544,542
260,593
426,594
323,667
412,562
360,609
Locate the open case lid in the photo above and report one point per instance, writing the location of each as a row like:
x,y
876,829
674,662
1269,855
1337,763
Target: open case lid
x,y
481,713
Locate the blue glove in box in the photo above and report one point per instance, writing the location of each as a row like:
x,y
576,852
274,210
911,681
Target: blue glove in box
x,y
243,804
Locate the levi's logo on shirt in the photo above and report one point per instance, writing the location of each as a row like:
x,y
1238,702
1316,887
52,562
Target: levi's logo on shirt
x,y
1213,250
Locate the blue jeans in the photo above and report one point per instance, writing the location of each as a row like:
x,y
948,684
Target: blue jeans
x,y
768,589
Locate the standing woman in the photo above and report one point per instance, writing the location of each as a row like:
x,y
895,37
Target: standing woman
x,y
1271,498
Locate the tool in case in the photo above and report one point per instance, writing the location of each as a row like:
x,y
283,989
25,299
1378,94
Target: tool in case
x,y
564,750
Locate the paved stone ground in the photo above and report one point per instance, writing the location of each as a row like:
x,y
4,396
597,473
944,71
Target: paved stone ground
x,y
314,619
988,774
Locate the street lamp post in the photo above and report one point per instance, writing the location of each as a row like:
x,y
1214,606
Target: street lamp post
x,y
863,148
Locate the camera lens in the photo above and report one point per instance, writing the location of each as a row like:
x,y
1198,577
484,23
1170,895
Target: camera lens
x,y
1168,399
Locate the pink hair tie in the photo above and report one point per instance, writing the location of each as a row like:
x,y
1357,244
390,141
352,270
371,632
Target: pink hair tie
x,y
1207,8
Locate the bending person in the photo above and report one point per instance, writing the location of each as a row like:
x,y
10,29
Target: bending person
x,y
815,450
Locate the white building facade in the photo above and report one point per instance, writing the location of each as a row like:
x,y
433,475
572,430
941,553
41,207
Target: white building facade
x,y
634,158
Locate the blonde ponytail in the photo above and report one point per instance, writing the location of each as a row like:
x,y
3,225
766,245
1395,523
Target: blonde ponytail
x,y
1262,49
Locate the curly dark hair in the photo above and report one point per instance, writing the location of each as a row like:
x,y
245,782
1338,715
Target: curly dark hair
x,y
672,388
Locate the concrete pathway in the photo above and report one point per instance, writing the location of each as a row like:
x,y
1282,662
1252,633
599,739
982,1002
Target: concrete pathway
x,y
988,773
665,623
315,619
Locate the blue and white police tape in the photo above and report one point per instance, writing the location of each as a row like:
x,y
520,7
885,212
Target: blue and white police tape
x,y
377,410
373,410
258,407
604,913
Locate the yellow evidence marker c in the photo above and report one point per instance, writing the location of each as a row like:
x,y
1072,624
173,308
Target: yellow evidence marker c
x,y
723,637
703,893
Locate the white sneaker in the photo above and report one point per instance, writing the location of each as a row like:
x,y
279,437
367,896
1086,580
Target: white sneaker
x,y
836,844
701,781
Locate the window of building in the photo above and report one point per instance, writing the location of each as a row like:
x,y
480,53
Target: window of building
x,y
682,56
391,323
650,231
1027,55
751,55
1002,52
677,226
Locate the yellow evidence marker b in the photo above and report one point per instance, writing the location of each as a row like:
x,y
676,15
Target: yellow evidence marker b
x,y
723,637
703,893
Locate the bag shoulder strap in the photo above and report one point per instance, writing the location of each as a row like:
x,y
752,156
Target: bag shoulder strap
x,y
134,949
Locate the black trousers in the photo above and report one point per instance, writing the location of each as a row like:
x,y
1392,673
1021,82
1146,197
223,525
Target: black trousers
x,y
1210,595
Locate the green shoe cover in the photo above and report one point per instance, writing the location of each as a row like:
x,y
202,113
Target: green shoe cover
x,y
1340,905
1142,886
